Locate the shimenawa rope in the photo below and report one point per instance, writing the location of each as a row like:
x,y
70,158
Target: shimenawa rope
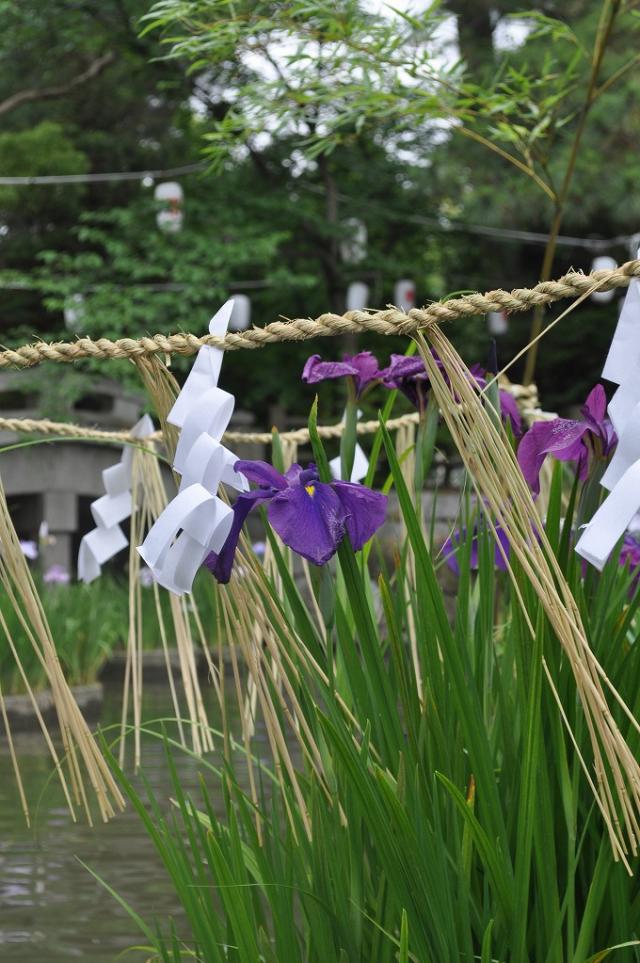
x,y
390,321
299,436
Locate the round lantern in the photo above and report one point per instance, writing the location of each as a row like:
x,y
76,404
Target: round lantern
x,y
241,313
604,263
498,322
169,197
357,296
404,295
353,247
74,312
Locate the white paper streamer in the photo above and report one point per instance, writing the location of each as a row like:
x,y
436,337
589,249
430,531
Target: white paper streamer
x,y
622,404
623,361
360,461
627,451
196,522
612,519
619,511
107,538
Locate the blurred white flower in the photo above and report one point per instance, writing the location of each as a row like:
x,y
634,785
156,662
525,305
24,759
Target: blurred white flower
x,y
259,548
145,576
29,549
44,537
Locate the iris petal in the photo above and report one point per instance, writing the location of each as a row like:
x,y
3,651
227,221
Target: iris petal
x,y
261,473
401,367
220,565
368,370
310,522
561,438
317,370
509,410
364,511
363,367
595,407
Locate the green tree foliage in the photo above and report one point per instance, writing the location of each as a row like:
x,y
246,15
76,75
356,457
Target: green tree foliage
x,y
310,114
505,133
267,221
79,92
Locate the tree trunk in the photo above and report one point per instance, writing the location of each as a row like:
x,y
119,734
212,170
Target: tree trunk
x,y
475,33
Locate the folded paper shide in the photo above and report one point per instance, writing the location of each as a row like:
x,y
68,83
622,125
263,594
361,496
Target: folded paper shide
x,y
197,522
622,478
114,507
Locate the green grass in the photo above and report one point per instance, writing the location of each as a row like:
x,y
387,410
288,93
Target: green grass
x,y
88,623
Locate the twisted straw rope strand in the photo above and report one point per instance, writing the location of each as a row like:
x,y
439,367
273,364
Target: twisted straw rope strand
x,y
390,321
300,436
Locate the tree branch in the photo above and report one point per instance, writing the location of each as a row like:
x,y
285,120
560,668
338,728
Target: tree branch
x,y
45,93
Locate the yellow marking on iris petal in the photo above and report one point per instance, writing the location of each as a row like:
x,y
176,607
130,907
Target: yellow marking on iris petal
x,y
311,489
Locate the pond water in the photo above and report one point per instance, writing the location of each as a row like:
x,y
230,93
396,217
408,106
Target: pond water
x,y
51,908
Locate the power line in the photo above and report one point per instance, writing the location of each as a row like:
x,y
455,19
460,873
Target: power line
x,y
447,226
249,285
444,225
101,178
595,244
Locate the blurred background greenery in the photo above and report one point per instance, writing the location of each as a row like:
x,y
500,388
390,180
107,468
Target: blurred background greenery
x,y
89,624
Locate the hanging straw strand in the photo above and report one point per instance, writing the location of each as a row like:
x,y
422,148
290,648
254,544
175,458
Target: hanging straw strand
x,y
500,484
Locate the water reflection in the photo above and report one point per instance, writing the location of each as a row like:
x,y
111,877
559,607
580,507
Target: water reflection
x,y
51,908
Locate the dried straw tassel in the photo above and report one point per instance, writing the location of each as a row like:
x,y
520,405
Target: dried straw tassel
x,y
495,473
163,389
149,499
81,758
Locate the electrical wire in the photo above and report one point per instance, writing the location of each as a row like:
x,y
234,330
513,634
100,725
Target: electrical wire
x,y
444,225
49,179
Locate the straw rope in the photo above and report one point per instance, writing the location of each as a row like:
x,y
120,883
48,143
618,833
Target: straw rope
x,y
298,436
391,321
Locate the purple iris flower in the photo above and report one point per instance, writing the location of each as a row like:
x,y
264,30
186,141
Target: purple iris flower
x,y
56,575
410,376
363,368
630,556
310,516
568,440
454,543
509,411
508,404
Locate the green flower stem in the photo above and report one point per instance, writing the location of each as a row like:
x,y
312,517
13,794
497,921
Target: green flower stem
x,y
349,436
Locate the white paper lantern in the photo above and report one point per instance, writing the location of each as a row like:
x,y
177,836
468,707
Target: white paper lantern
x,y
170,216
498,322
241,314
357,296
603,263
74,312
404,294
634,246
353,247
